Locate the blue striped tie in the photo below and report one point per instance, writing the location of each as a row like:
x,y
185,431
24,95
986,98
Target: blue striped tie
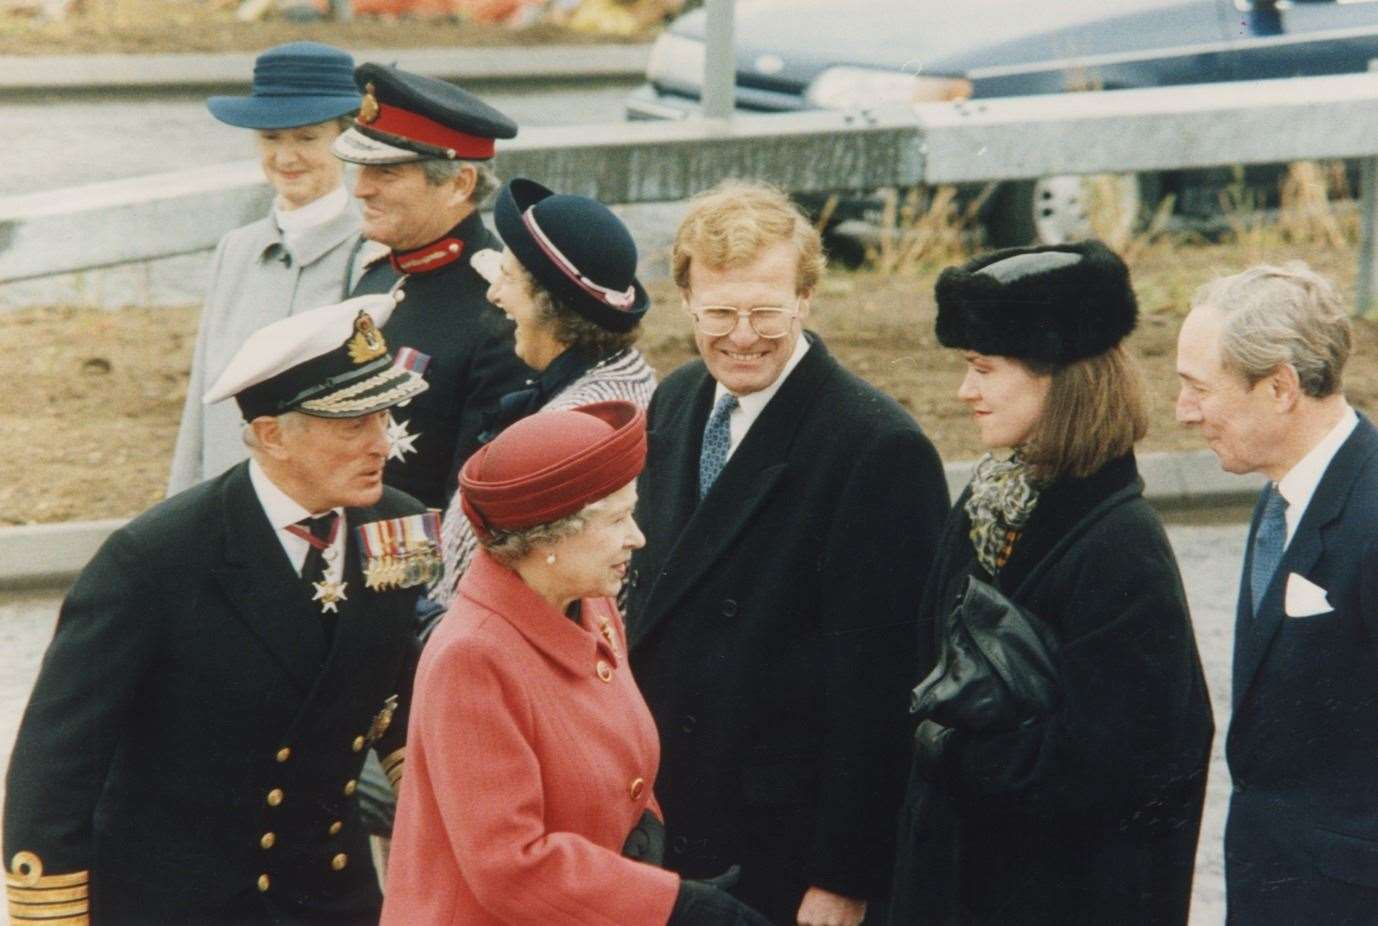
x,y
1269,543
716,440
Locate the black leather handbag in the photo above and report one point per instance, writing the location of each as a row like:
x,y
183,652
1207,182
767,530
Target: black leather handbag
x,y
996,665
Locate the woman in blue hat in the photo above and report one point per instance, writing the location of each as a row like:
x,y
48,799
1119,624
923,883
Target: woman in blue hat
x,y
295,258
567,278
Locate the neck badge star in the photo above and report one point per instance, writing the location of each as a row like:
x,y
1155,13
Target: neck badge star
x,y
329,594
400,443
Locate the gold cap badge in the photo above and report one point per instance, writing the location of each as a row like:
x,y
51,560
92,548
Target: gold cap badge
x,y
367,342
368,106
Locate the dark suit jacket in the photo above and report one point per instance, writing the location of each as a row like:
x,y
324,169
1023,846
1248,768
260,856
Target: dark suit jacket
x,y
772,629
445,314
1303,744
189,679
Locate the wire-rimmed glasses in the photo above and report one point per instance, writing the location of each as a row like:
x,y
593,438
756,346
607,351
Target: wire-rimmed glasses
x,y
771,322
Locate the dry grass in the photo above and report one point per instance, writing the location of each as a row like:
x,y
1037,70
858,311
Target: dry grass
x,y
153,26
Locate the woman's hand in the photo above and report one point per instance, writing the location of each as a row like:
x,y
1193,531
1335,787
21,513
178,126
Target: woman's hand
x,y
824,908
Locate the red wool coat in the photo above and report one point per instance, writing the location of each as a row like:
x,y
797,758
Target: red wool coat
x,y
530,757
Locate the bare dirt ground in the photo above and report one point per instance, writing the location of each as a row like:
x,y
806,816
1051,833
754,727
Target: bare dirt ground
x,y
89,412
153,26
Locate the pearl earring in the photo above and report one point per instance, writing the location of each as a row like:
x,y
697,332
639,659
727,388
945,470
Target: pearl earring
x,y
550,560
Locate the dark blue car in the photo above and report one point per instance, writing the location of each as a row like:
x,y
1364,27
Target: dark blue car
x,y
842,54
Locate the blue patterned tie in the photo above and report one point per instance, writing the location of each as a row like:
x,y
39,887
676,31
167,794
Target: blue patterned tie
x,y
716,439
1268,544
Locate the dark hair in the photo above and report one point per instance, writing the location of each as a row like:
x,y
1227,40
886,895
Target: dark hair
x,y
572,329
1095,412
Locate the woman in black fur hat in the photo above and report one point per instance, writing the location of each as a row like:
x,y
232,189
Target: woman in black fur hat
x,y
1090,812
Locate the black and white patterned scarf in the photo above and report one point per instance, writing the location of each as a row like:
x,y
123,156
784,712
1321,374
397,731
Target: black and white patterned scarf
x,y
1003,495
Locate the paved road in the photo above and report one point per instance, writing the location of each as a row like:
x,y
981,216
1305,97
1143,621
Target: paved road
x,y
1209,555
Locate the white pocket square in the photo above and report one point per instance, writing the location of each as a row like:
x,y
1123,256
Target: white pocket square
x,y
1304,597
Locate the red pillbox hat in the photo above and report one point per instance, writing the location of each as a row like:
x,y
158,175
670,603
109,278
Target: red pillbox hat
x,y
551,464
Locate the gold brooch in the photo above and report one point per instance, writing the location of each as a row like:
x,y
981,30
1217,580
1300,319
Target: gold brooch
x,y
368,106
367,342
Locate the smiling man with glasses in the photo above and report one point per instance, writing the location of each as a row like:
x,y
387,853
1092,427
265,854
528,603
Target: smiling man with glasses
x,y
790,512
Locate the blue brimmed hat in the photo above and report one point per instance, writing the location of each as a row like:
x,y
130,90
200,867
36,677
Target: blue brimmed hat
x,y
576,248
300,83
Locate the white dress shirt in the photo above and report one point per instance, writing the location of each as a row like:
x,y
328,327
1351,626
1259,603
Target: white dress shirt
x,y
750,406
283,512
1301,480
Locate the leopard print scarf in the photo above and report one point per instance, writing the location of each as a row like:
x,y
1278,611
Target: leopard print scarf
x,y
1003,495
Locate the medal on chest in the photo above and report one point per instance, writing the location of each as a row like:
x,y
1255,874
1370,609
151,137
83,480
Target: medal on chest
x,y
329,594
401,552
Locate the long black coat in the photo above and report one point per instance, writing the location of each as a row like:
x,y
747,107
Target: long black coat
x,y
1091,816
1301,845
188,680
445,314
772,629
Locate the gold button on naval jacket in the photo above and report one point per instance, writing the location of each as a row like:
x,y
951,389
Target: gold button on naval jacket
x,y
336,827
339,862
267,840
263,883
638,788
358,744
284,754
604,671
275,797
350,787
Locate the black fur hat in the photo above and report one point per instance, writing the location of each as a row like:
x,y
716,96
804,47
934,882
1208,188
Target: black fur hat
x,y
1055,303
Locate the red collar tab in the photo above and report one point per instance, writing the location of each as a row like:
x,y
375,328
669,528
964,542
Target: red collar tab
x,y
431,257
410,126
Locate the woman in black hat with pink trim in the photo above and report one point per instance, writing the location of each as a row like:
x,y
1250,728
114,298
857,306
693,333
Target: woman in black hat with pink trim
x,y
295,258
1086,809
567,278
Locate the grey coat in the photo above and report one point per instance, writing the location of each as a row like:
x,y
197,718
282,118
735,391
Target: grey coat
x,y
254,280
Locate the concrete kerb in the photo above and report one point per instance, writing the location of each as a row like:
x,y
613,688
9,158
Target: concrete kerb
x,y
114,73
50,555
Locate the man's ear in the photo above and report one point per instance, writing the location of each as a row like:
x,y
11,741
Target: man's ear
x,y
464,184
269,436
805,303
1285,387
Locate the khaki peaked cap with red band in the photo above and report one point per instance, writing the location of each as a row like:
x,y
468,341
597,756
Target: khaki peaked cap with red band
x,y
409,117
551,464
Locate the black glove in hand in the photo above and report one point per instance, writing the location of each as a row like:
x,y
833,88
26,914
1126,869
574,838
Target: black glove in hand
x,y
646,842
707,903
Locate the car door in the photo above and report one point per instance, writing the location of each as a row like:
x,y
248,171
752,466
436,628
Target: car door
x,y
1301,38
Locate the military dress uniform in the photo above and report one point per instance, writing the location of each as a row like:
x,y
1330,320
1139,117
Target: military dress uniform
x,y
192,745
444,327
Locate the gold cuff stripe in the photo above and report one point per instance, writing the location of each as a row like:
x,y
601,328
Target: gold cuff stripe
x,y
48,881
48,895
43,912
82,920
394,758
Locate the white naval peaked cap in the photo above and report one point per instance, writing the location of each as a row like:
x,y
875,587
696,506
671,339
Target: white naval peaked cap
x,y
331,362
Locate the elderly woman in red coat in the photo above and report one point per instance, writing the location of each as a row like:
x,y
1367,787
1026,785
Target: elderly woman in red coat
x,y
531,754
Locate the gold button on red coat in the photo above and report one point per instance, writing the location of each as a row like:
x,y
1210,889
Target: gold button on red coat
x,y
339,862
638,788
604,671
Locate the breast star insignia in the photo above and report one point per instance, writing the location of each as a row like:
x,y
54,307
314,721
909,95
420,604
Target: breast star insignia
x,y
400,443
330,594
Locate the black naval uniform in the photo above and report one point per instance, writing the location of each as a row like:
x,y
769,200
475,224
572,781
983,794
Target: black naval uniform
x,y
194,737
446,316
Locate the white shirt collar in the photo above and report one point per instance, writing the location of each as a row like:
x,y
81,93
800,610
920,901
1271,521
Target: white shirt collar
x,y
1302,480
316,212
283,511
750,406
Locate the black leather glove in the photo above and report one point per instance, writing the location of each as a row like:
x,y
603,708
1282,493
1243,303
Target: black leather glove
x,y
646,842
707,903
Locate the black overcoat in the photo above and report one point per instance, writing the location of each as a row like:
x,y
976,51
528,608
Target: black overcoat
x,y
445,315
1301,844
1092,815
188,705
772,629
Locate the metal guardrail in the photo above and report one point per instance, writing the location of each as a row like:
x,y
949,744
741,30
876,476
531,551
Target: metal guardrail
x,y
975,141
